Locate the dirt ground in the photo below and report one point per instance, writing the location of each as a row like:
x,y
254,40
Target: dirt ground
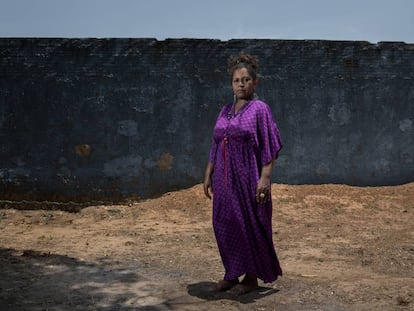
x,y
341,248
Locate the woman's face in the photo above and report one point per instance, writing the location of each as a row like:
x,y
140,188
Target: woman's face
x,y
243,84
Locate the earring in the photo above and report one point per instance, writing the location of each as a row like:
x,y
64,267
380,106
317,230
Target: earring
x,y
234,98
255,96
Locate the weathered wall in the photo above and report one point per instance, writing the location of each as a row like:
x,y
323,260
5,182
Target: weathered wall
x,y
103,118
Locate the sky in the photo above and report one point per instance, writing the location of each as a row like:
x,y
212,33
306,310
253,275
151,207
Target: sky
x,y
365,20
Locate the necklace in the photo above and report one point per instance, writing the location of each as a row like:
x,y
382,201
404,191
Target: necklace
x,y
232,113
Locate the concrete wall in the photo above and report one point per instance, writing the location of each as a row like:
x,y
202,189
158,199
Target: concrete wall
x,y
109,118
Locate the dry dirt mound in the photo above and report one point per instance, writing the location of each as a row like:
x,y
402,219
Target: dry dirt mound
x,y
341,248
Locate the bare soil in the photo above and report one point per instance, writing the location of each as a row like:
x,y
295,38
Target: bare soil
x,y
341,248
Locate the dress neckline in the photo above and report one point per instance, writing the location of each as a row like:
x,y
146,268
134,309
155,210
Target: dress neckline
x,y
232,114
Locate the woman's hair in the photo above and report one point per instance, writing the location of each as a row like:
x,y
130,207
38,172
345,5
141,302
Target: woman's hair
x,y
250,62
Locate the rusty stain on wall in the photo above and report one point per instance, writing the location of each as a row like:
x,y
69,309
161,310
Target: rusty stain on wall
x,y
83,150
165,161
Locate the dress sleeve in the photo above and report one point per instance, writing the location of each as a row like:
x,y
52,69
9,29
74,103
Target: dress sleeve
x,y
269,139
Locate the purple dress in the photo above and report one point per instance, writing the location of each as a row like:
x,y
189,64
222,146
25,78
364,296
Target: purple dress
x,y
242,144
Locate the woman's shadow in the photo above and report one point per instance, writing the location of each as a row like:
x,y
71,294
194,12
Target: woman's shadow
x,y
204,290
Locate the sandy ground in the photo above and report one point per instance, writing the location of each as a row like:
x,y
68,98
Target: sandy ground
x,y
341,248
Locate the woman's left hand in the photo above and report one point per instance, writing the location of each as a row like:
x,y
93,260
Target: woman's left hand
x,y
263,190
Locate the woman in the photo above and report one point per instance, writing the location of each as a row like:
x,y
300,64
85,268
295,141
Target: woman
x,y
245,144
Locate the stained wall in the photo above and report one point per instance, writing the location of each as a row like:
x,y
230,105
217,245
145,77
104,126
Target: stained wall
x,y
112,118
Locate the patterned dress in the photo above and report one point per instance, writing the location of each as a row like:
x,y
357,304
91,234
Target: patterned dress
x,y
242,144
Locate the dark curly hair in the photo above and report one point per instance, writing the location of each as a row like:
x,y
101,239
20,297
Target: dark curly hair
x,y
250,62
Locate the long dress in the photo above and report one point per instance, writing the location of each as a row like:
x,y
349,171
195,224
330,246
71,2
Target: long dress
x,y
242,144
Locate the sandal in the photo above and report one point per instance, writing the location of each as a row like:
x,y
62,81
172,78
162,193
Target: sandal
x,y
224,285
241,289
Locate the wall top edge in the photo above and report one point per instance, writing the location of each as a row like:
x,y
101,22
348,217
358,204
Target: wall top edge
x,y
89,40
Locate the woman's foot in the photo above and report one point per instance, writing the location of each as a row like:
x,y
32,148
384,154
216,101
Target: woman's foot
x,y
241,289
224,285
248,285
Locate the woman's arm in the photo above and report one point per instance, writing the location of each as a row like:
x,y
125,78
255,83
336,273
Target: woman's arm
x,y
208,188
264,184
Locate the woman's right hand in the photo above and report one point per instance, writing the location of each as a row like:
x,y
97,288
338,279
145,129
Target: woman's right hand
x,y
208,187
